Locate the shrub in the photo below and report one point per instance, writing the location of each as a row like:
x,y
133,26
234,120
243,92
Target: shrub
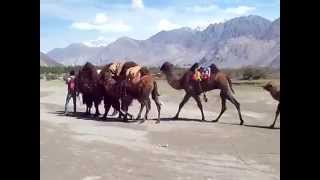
x,y
51,77
250,73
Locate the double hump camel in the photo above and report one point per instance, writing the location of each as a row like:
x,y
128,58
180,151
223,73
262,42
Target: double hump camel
x,y
126,91
87,83
112,87
217,80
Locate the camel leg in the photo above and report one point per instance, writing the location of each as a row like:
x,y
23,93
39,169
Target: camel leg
x,y
277,114
114,112
146,102
140,111
185,99
106,110
237,105
148,107
197,99
158,104
89,106
223,106
96,106
87,110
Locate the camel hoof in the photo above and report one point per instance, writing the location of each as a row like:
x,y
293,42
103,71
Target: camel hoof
x,y
158,121
142,121
215,120
138,118
175,117
271,126
241,123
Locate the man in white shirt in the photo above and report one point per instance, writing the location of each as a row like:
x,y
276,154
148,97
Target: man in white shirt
x,y
72,92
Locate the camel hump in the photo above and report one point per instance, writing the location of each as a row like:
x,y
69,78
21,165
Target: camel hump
x,y
133,71
116,68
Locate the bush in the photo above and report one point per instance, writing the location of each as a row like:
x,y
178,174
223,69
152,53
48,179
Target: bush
x,y
250,73
51,77
58,69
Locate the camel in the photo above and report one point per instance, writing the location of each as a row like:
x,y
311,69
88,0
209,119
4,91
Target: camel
x,y
88,86
140,91
218,80
275,93
112,89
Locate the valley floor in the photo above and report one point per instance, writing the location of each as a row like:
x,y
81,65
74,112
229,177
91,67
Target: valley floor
x,y
85,149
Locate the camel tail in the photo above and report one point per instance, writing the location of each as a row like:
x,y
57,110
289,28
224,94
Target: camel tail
x,y
155,90
230,84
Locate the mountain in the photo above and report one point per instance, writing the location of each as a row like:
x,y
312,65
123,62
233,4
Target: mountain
x,y
274,30
76,53
47,61
241,41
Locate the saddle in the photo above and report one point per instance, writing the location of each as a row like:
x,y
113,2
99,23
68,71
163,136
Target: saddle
x,y
201,74
133,74
116,68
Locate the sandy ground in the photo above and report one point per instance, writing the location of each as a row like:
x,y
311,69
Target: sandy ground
x,y
85,149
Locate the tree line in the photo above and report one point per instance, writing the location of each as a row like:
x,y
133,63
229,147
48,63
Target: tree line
x,y
244,73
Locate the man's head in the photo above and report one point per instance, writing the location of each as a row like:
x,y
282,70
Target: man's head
x,y
194,66
72,73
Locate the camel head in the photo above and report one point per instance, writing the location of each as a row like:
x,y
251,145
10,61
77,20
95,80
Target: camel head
x,y
268,86
166,66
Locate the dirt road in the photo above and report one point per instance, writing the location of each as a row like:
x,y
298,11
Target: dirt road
x,y
85,149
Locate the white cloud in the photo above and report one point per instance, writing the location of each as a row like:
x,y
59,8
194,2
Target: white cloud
x,y
240,10
203,9
137,4
101,18
166,25
215,9
102,23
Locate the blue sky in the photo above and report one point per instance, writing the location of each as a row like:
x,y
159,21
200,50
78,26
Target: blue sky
x,y
86,21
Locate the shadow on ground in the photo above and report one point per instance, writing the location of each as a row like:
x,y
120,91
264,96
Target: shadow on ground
x,y
83,116
265,127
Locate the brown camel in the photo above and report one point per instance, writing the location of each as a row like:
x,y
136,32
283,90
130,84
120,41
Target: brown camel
x,y
140,91
217,80
275,93
88,85
112,89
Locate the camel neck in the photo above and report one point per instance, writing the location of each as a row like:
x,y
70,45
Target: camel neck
x,y
274,93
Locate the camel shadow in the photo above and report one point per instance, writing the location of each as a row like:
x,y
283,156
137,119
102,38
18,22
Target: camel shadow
x,y
264,127
182,119
248,125
84,116
231,124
